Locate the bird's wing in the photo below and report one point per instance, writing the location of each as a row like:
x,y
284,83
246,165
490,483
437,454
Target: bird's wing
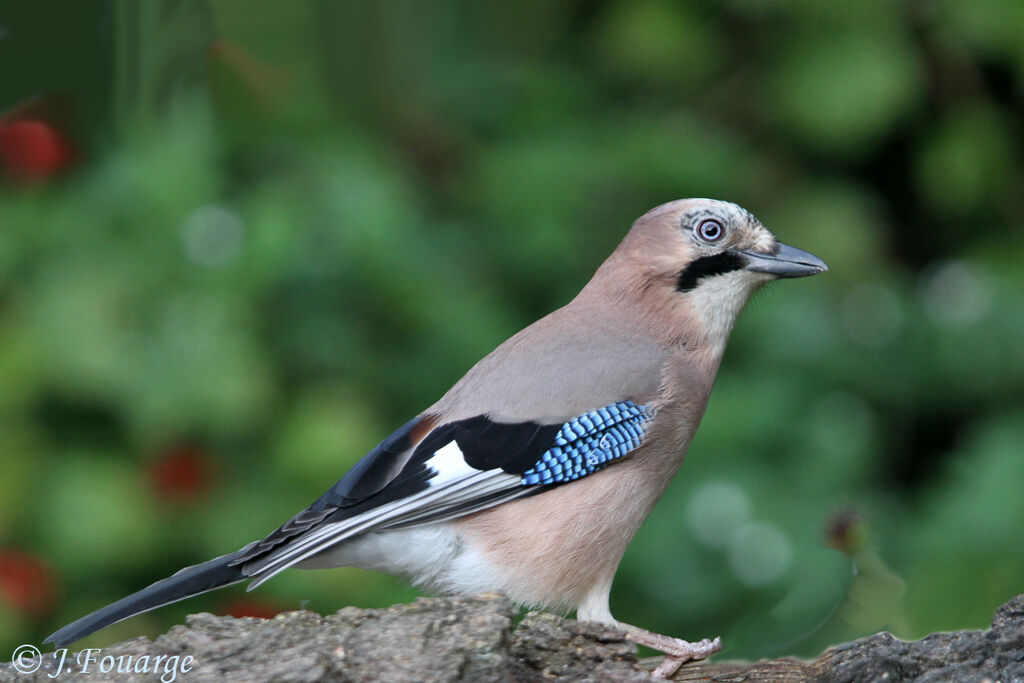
x,y
457,468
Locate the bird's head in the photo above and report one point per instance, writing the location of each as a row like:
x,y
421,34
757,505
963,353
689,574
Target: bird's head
x,y
699,260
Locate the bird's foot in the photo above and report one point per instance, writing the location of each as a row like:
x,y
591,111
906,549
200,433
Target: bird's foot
x,y
677,651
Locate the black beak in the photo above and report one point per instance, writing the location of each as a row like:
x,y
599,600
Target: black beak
x,y
787,261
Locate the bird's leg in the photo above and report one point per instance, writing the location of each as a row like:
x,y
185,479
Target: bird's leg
x,y
677,651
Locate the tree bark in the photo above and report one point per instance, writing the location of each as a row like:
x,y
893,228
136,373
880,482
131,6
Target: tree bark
x,y
477,639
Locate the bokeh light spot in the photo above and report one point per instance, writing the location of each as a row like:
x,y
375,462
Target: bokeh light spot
x,y
955,294
212,236
715,510
872,315
759,553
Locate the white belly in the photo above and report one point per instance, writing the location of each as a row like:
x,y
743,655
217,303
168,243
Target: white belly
x,y
431,555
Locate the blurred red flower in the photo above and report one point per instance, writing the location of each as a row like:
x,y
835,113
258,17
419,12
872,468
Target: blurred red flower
x,y
26,582
181,473
32,150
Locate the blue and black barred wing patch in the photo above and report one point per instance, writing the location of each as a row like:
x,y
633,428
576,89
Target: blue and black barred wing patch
x,y
590,442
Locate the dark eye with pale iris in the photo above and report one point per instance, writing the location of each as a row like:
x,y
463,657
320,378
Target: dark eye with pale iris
x,y
710,230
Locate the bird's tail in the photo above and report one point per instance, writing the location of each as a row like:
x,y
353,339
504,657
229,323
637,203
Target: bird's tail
x,y
190,581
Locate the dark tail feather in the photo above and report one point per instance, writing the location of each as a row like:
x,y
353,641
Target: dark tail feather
x,y
189,581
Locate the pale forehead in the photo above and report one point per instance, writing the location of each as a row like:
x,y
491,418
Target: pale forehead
x,y
695,210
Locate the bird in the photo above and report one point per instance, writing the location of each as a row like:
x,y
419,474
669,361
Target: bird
x,y
532,473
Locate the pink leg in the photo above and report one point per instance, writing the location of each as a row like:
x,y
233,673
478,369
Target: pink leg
x,y
677,651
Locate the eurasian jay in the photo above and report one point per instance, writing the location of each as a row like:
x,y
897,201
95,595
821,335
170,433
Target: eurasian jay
x,y
531,475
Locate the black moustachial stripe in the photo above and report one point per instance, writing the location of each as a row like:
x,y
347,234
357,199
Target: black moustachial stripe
x,y
706,266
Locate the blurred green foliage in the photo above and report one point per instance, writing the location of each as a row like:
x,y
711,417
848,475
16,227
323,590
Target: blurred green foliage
x,y
287,227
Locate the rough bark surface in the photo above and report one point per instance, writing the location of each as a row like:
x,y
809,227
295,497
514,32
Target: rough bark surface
x,y
477,639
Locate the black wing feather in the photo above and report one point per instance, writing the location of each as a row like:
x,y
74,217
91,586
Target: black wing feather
x,y
390,472
373,472
489,445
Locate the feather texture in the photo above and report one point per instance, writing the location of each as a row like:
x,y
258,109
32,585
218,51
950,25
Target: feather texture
x,y
590,442
444,470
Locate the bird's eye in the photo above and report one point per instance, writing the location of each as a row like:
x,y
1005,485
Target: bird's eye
x,y
710,230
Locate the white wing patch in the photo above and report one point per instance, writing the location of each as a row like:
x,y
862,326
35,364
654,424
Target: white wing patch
x,y
449,463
